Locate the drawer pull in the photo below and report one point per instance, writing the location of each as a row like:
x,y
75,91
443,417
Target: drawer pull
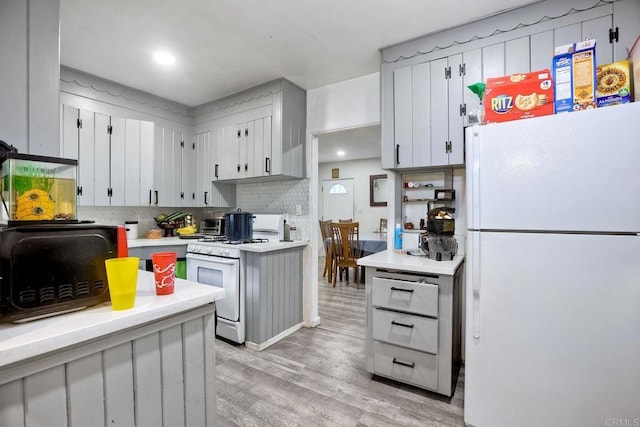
x,y
393,322
393,288
409,365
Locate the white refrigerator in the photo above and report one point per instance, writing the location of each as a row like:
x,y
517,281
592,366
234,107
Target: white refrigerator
x,y
553,271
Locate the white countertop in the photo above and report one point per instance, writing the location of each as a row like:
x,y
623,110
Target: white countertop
x,y
249,247
22,341
420,264
163,241
271,246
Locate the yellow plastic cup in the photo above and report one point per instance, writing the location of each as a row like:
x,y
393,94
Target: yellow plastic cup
x,y
122,276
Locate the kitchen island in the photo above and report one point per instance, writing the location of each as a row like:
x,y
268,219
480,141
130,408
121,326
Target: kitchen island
x,y
151,365
414,324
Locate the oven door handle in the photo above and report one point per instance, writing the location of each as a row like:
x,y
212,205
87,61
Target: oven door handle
x,y
213,258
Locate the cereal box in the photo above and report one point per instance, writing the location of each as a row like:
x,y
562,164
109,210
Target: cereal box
x,y
613,84
518,96
574,75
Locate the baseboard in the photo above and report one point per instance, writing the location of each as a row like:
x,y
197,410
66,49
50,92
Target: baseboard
x,y
271,341
312,324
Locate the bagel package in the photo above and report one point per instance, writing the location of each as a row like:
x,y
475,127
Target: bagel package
x,y
613,84
518,96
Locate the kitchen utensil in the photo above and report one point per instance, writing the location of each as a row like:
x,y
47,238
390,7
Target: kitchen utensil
x,y
239,226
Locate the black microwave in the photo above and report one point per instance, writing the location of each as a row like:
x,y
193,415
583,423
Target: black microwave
x,y
53,269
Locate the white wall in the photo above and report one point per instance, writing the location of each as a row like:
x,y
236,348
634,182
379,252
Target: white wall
x,y
344,105
359,170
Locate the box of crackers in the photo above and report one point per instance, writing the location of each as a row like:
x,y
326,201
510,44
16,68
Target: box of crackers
x,y
613,84
518,96
574,76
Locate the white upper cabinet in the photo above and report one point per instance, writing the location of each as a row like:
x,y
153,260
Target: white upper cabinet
x,y
260,132
78,143
425,99
115,157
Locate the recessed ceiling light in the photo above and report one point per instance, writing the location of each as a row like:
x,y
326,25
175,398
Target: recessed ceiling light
x,y
340,153
164,58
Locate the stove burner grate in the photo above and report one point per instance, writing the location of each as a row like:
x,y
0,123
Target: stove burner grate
x,y
240,242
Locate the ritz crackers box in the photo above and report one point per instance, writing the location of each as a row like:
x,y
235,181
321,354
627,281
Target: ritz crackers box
x,y
518,96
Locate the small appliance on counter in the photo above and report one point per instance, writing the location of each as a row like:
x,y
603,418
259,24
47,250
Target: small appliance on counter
x,y
214,226
438,242
53,269
50,263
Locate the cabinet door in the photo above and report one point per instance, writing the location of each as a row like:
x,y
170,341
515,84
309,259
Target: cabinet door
x,y
518,56
228,153
177,149
188,191
472,74
493,61
158,165
78,143
598,29
439,112
117,161
455,150
147,163
203,168
403,114
166,195
132,139
102,155
217,141
421,114
540,45
263,161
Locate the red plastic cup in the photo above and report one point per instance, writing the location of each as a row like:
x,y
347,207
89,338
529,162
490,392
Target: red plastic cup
x,y
164,271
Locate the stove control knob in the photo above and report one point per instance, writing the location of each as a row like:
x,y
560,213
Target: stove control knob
x,y
210,250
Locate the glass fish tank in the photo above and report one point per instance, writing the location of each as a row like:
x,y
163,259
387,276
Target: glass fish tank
x,y
37,189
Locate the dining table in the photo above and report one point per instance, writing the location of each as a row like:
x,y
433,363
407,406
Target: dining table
x,y
370,242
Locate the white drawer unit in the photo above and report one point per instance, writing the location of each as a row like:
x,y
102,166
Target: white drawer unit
x,y
412,297
414,327
409,366
404,329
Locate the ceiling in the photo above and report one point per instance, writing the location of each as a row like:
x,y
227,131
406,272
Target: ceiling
x,y
224,46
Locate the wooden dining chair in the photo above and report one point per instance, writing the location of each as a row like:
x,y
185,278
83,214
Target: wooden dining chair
x,y
346,246
327,231
344,221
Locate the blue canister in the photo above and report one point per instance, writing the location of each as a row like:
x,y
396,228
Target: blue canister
x,y
397,238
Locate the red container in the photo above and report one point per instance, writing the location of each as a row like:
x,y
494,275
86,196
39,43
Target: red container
x,y
123,247
164,271
518,96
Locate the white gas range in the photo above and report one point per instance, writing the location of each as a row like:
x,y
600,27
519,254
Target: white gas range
x,y
213,261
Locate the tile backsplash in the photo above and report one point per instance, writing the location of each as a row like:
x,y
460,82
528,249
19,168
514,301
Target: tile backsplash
x,y
117,215
277,197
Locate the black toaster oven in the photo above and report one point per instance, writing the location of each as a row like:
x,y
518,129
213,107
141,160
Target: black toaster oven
x,y
52,269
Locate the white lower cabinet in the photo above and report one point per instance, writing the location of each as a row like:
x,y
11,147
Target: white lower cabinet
x,y
414,327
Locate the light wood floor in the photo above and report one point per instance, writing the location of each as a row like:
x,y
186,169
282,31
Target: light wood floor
x,y
316,377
